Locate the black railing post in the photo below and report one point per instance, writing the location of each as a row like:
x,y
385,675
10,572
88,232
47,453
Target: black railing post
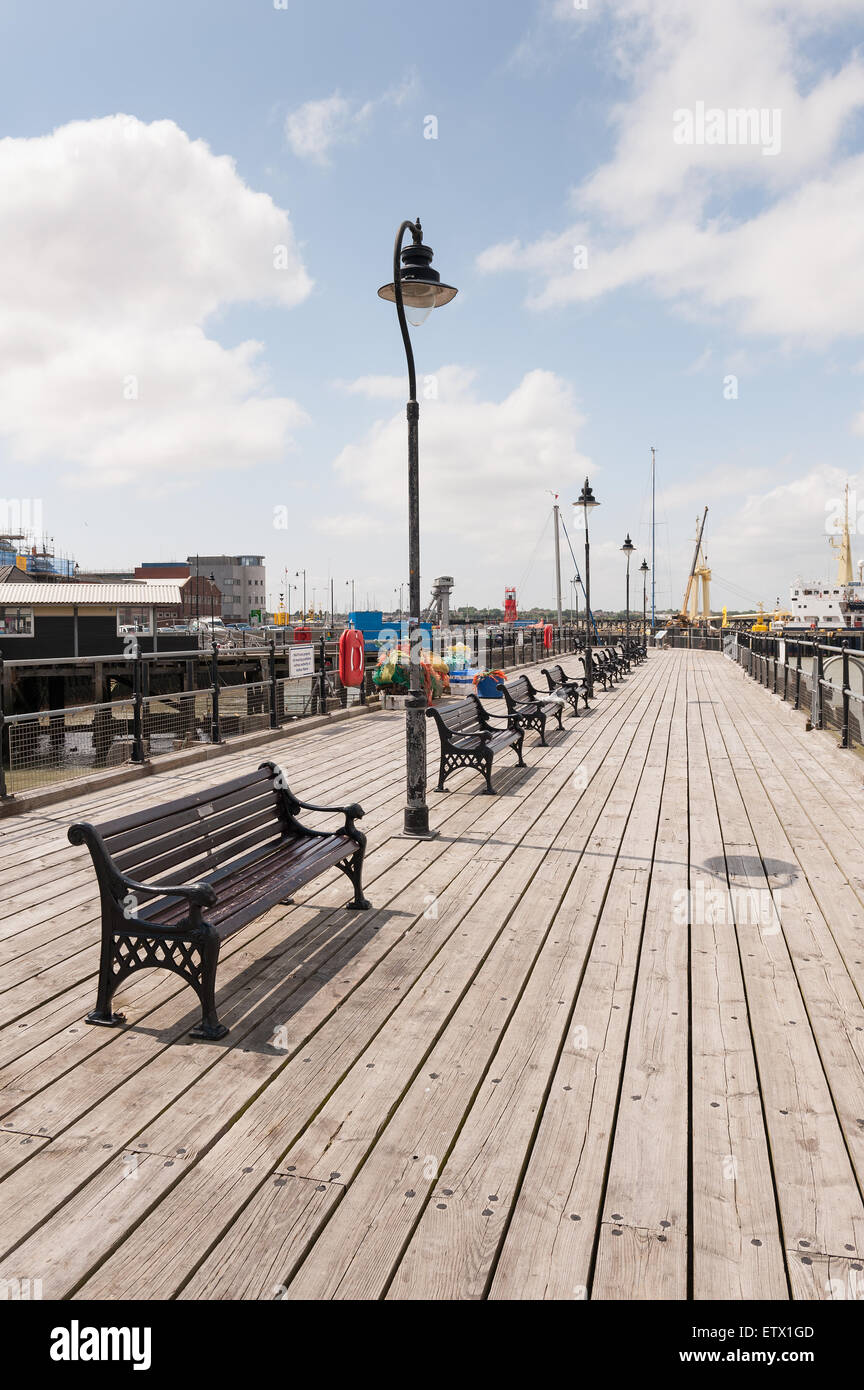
x,y
844,733
817,689
797,675
274,707
137,742
215,734
322,688
4,794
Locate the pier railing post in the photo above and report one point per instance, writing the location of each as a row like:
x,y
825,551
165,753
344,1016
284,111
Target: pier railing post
x,y
4,795
274,710
817,689
844,734
137,702
215,735
797,675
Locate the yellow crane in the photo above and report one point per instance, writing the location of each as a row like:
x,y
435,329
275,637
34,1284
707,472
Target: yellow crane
x,y
700,575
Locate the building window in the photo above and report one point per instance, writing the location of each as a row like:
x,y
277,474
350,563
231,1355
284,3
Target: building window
x,y
16,622
134,619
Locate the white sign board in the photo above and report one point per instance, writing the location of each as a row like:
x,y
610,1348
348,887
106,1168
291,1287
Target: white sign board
x,y
301,659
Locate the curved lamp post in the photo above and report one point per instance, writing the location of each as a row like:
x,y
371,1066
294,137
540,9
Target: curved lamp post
x,y
587,501
416,290
643,570
628,547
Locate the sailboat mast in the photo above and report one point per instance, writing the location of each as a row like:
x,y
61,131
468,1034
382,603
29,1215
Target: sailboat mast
x,y
558,566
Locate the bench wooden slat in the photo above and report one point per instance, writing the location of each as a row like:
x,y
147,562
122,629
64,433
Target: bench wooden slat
x,y
133,846
154,813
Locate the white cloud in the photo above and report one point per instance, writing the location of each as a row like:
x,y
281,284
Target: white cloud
x,y
774,243
385,388
315,128
485,467
120,240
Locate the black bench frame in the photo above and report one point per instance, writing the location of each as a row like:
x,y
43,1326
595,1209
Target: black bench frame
x,y
469,740
189,944
526,708
571,687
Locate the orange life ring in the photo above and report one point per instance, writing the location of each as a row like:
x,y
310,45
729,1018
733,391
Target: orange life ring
x,y
548,637
302,634
352,657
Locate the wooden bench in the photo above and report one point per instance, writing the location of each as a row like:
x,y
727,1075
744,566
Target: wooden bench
x,y
570,687
526,707
229,852
468,738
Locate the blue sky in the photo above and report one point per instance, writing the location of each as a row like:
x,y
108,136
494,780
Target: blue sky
x,y
139,271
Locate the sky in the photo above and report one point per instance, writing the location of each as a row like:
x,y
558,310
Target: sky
x,y
200,199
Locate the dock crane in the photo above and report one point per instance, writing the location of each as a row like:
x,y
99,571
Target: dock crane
x,y
699,574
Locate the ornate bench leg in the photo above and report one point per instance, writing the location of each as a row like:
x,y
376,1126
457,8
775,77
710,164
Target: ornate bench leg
x,y
209,1029
442,771
102,1015
540,723
487,773
518,746
354,870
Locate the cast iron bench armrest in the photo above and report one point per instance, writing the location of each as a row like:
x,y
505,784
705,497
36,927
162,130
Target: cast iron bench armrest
x,y
203,894
82,833
352,812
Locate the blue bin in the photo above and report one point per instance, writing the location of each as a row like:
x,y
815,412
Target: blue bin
x,y
487,688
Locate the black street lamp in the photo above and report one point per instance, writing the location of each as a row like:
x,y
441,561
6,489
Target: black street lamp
x,y
587,501
212,597
628,547
416,290
643,570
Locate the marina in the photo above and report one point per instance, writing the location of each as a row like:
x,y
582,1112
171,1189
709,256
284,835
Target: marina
x,y
602,1038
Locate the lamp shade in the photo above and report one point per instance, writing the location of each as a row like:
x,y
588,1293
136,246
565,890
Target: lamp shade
x,y
628,547
422,289
587,500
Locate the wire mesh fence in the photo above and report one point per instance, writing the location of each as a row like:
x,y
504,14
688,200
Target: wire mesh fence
x,y
43,748
60,745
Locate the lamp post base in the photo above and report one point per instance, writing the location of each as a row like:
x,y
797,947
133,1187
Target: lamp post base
x,y
416,824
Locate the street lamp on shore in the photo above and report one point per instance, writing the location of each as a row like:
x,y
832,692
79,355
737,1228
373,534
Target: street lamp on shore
x,y
416,290
628,547
587,501
297,574
643,570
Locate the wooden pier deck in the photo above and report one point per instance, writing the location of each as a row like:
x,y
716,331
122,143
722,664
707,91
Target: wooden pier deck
x,y
603,1038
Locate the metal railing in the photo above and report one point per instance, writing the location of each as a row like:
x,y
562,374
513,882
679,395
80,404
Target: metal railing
x,y
42,748
825,680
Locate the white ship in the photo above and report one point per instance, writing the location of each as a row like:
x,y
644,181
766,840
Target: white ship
x,y
815,603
